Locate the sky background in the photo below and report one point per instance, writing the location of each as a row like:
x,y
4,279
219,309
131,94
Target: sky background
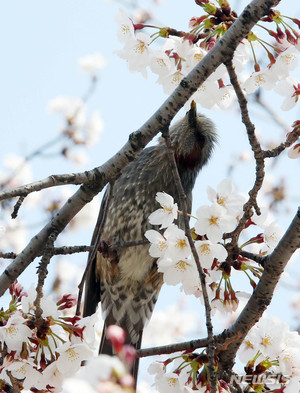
x,y
41,42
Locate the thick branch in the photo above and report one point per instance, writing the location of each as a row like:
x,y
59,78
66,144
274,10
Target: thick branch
x,y
273,267
221,52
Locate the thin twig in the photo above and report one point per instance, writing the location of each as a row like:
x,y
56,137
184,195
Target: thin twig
x,y
14,382
254,257
50,181
221,343
67,250
171,348
17,206
258,155
291,138
183,206
42,273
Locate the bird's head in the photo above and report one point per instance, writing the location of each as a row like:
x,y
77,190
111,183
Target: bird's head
x,y
193,138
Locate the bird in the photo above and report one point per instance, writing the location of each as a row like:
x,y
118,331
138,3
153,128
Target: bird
x,y
121,273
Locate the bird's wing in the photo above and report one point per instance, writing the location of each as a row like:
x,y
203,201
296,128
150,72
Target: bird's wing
x,y
92,283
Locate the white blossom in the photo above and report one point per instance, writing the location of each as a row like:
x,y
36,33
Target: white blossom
x,y
15,332
166,215
92,63
207,252
160,63
72,108
226,197
178,245
13,235
241,56
270,342
171,81
206,94
101,368
224,97
285,62
94,128
157,368
25,370
158,243
126,29
264,78
169,383
178,271
214,221
71,357
288,88
137,53
272,235
289,361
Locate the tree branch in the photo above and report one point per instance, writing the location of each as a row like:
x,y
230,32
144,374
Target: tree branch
x,y
274,266
171,348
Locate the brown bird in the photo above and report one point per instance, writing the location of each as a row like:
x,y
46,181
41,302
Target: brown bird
x,y
123,275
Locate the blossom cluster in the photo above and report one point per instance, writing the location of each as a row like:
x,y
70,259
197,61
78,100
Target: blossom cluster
x,y
276,351
181,51
271,359
189,374
39,352
106,373
77,128
173,250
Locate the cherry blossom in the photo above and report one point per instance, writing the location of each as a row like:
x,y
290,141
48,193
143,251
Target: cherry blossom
x,y
214,221
160,63
137,53
178,245
71,357
167,214
265,79
290,89
92,63
126,29
208,251
177,271
26,370
272,235
94,128
285,62
15,332
226,197
158,243
169,383
72,108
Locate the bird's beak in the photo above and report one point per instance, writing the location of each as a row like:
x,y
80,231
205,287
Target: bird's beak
x,y
192,113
